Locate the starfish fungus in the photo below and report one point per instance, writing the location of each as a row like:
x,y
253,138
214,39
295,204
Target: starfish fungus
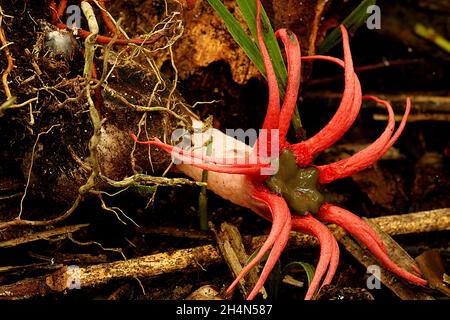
x,y
290,197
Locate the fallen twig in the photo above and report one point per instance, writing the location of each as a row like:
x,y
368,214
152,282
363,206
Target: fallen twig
x,y
425,106
401,289
417,222
175,232
193,259
433,268
233,251
196,259
41,235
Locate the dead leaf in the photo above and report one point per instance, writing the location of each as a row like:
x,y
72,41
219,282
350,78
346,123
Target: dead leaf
x,y
430,263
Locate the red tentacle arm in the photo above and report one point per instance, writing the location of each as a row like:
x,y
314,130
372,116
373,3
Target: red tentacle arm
x,y
369,155
334,262
400,127
273,108
347,220
345,114
304,150
329,250
353,223
278,237
191,157
293,55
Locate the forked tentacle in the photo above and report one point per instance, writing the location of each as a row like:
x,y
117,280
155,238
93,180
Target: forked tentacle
x,y
273,108
329,250
57,12
400,127
263,147
339,216
348,108
277,239
293,55
344,117
369,155
226,165
238,162
334,262
345,219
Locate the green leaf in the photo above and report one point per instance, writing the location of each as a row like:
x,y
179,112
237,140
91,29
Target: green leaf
x,y
309,269
354,20
253,255
250,47
239,35
248,9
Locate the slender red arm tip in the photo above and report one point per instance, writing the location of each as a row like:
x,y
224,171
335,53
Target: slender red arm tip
x,y
279,231
350,223
329,251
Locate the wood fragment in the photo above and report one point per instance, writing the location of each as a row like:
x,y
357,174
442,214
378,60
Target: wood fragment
x,y
232,249
418,222
121,292
431,264
420,104
30,267
196,259
42,235
416,117
205,293
176,232
403,290
193,259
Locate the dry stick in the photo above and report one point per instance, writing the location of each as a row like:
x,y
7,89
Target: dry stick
x,y
428,104
176,232
375,66
402,289
418,222
417,117
44,235
233,251
196,259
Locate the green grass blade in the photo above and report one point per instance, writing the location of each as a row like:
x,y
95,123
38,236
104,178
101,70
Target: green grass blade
x,y
354,20
248,9
239,35
309,269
